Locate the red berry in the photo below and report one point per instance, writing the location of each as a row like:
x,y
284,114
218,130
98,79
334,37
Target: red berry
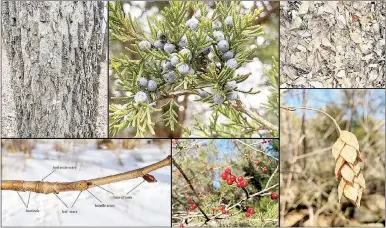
x,y
274,196
229,182
244,184
232,178
192,207
221,207
227,170
224,176
247,214
258,162
190,199
264,169
224,211
239,184
181,225
251,211
240,178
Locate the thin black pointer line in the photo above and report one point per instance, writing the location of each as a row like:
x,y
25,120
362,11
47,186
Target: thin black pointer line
x,y
104,189
48,175
60,200
21,199
93,195
76,199
29,196
135,187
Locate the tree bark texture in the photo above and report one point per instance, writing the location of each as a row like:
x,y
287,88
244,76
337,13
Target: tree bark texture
x,y
55,55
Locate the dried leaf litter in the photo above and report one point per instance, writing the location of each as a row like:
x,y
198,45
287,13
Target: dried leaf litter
x,y
332,44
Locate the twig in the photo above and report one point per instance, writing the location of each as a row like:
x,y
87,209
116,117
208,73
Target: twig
x,y
192,188
238,140
273,174
240,107
242,200
316,110
56,187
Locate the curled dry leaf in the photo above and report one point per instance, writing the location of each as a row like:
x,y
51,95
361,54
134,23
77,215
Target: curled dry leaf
x,y
149,178
347,169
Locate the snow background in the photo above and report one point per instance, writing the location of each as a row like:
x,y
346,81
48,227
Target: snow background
x,y
150,204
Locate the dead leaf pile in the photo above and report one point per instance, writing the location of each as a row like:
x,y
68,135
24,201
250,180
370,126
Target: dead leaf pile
x,y
332,44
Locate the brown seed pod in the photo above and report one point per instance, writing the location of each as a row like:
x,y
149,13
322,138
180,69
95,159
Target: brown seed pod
x,y
347,168
348,162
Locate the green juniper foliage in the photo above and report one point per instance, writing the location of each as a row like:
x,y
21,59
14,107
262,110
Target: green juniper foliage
x,y
187,52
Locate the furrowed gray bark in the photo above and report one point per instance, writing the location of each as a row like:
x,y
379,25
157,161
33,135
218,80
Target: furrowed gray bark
x,y
55,52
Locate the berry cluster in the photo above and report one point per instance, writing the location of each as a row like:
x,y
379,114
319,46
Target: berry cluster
x,y
179,63
227,175
192,207
250,211
223,47
182,60
264,169
222,209
266,141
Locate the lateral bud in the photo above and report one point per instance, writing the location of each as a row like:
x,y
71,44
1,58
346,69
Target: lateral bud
x,y
149,178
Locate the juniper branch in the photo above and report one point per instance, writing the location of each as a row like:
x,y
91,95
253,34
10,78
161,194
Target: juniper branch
x,y
57,187
240,107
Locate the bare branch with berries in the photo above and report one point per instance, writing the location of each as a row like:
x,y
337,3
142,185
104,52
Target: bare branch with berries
x,y
246,178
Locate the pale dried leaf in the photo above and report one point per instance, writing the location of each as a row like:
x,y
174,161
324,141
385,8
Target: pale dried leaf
x,y
356,37
341,186
347,173
359,158
360,180
356,167
349,138
337,148
349,154
338,166
358,202
350,192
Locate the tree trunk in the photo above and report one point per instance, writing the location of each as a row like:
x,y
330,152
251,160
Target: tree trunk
x,y
55,55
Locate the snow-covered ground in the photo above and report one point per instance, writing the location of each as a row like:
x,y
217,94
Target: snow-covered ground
x,y
150,204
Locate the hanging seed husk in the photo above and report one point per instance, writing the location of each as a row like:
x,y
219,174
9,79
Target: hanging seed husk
x,y
347,168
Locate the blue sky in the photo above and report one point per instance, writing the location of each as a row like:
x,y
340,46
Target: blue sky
x,y
319,98
226,147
